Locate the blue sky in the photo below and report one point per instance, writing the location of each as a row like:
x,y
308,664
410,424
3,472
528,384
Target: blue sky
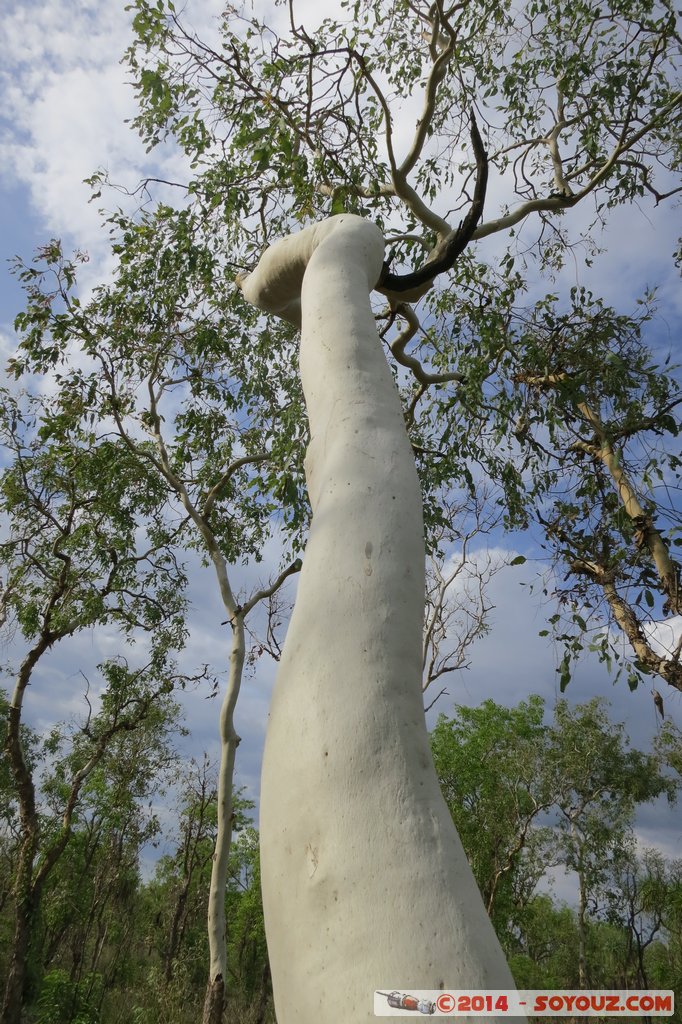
x,y
22,231
65,102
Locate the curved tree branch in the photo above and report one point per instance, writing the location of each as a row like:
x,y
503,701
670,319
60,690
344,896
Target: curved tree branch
x,y
447,251
558,201
413,364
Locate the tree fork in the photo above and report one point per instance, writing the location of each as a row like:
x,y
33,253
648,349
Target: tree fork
x,y
453,245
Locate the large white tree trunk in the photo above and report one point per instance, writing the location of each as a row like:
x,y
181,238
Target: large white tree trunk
x,y
365,882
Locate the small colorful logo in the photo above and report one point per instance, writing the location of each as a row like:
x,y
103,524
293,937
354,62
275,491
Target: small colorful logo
x,y
404,1001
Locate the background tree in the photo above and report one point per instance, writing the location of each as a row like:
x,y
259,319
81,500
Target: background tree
x,y
89,914
545,952
247,951
163,339
176,905
91,778
595,419
492,765
10,826
191,861
458,575
597,781
528,797
642,900
74,558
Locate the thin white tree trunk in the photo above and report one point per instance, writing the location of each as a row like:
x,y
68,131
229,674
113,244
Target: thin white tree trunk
x,y
214,1001
365,882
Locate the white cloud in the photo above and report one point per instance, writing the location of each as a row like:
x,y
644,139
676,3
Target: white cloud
x,y
665,636
66,104
7,347
66,99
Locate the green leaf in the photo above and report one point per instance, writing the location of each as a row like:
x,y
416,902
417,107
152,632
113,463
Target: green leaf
x,y
338,205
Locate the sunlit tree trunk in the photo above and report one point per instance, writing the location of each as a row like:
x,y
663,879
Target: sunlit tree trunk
x,y
365,882
214,1001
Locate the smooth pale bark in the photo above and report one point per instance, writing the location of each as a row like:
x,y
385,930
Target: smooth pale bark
x,y
365,883
214,1000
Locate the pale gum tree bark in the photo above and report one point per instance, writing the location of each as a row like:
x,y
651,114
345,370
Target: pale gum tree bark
x,y
365,882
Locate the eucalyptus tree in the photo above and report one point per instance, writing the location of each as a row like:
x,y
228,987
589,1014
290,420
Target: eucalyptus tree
x,y
493,767
185,395
76,556
286,126
645,903
349,682
88,909
229,423
598,780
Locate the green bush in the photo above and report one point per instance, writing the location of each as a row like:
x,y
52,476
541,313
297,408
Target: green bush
x,y
63,1001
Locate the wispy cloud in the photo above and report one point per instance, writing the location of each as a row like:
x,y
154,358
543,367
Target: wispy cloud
x,y
66,104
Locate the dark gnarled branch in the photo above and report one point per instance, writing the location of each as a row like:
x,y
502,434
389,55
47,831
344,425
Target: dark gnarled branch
x,y
446,252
